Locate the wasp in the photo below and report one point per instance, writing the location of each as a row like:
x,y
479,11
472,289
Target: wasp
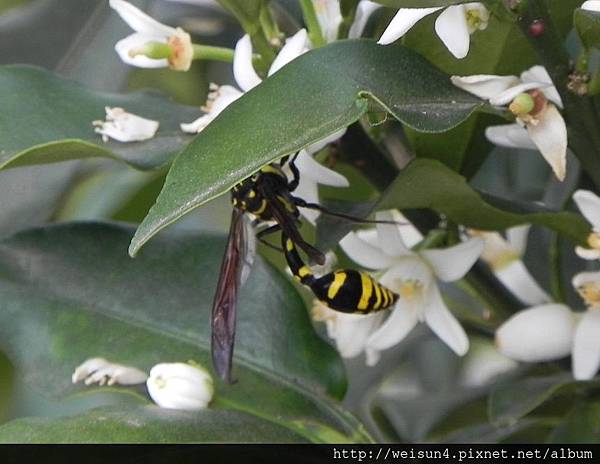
x,y
268,196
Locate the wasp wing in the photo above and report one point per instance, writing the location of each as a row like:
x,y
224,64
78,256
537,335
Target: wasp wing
x,y
235,268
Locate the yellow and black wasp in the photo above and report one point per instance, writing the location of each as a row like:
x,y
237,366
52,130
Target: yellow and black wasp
x,y
268,195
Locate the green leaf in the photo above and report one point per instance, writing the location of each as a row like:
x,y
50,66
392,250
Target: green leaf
x,y
428,183
69,292
147,424
587,24
317,94
581,425
510,402
46,119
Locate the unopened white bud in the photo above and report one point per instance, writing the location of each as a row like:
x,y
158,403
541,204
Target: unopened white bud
x,y
542,333
180,386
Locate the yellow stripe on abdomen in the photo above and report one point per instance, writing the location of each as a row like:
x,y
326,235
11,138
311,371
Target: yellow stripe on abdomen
x,y
367,289
338,281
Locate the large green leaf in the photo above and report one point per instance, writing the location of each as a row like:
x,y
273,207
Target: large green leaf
x,y
587,24
46,119
426,3
315,95
426,183
70,292
147,424
581,425
511,401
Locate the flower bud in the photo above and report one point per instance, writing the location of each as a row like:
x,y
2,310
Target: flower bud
x,y
180,386
542,333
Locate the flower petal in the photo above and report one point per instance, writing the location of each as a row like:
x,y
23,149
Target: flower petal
x,y
583,278
140,21
309,167
550,136
125,127
135,41
353,331
441,321
587,253
542,333
485,86
591,5
390,235
218,101
586,346
538,73
515,277
329,17
589,205
450,264
295,46
506,97
243,70
395,328
403,21
451,26
510,136
364,10
318,146
308,190
517,238
364,254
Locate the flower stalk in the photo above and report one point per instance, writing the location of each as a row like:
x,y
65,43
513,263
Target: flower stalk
x,y
208,52
312,23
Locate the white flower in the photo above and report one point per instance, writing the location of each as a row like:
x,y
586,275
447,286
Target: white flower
x,y
125,127
180,386
532,99
589,205
245,77
412,275
329,17
504,258
101,371
364,10
553,331
591,5
172,47
350,332
312,173
453,26
541,333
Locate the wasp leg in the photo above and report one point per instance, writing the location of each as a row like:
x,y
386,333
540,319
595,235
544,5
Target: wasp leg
x,y
293,185
260,236
304,204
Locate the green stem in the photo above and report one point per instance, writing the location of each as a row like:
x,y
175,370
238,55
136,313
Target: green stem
x,y
583,123
269,25
555,256
207,52
348,8
312,23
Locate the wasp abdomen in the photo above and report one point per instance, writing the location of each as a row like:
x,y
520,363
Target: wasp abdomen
x,y
352,291
347,291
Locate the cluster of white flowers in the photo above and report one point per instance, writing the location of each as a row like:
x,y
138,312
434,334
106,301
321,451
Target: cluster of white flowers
x,y
412,275
182,386
553,331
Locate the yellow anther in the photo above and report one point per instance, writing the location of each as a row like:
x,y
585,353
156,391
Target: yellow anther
x,y
593,240
590,292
